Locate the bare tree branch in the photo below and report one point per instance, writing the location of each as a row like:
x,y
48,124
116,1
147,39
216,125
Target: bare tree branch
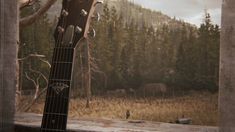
x,y
36,84
26,3
32,18
31,55
23,2
40,74
45,61
36,81
29,78
26,107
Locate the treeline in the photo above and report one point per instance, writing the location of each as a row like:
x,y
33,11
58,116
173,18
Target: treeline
x,y
133,54
128,54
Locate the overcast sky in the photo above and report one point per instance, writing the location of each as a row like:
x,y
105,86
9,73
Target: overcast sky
x,y
189,10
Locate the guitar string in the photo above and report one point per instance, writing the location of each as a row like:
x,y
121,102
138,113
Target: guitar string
x,y
49,91
60,117
70,55
54,71
67,56
55,58
52,80
60,96
61,67
48,95
62,122
63,94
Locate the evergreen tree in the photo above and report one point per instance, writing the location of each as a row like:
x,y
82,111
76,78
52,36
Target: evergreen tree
x,y
208,54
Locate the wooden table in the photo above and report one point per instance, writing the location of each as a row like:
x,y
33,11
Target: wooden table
x,y
25,122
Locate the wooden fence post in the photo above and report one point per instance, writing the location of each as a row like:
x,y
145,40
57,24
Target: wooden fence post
x,y
227,68
8,43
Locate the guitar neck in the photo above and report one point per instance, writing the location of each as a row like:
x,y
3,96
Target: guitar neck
x,y
71,30
57,98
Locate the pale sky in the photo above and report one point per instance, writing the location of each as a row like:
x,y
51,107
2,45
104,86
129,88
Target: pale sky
x,y
191,11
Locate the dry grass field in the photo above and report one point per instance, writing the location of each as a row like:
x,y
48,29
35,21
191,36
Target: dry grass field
x,y
200,107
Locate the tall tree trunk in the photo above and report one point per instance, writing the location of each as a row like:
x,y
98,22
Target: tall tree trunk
x,y
18,91
8,49
227,68
86,72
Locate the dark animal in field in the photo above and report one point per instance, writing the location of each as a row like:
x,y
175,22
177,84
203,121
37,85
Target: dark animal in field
x,y
128,114
153,89
131,91
117,93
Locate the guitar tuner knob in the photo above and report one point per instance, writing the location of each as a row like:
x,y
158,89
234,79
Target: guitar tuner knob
x,y
92,33
78,29
60,29
84,12
99,2
97,17
65,13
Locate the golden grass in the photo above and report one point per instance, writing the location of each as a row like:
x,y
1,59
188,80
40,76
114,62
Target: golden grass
x,y
200,107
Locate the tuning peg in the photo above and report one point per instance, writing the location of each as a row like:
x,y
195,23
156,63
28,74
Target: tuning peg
x,y
60,29
99,2
92,33
78,29
65,13
83,12
97,17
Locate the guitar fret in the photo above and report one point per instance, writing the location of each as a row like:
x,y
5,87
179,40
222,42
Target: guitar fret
x,y
60,80
67,36
59,114
61,70
63,55
63,48
62,62
46,129
57,97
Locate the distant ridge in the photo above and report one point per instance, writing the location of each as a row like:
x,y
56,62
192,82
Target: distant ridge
x,y
130,12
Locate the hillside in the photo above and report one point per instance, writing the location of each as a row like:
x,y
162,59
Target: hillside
x,y
130,12
140,47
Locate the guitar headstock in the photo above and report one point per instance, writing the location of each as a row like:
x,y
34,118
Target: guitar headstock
x,y
74,21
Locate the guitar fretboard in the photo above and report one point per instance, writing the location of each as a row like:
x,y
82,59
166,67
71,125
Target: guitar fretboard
x,y
57,98
71,30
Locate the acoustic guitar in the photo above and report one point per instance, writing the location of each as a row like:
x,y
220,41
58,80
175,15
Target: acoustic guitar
x,y
71,30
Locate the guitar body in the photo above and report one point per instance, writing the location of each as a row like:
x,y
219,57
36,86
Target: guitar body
x,y
71,29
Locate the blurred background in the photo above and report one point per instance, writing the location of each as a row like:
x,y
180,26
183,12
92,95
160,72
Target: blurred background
x,y
157,59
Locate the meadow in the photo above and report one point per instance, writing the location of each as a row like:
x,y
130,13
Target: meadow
x,y
201,107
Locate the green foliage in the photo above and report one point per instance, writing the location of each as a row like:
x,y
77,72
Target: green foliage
x,y
131,51
134,53
198,57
